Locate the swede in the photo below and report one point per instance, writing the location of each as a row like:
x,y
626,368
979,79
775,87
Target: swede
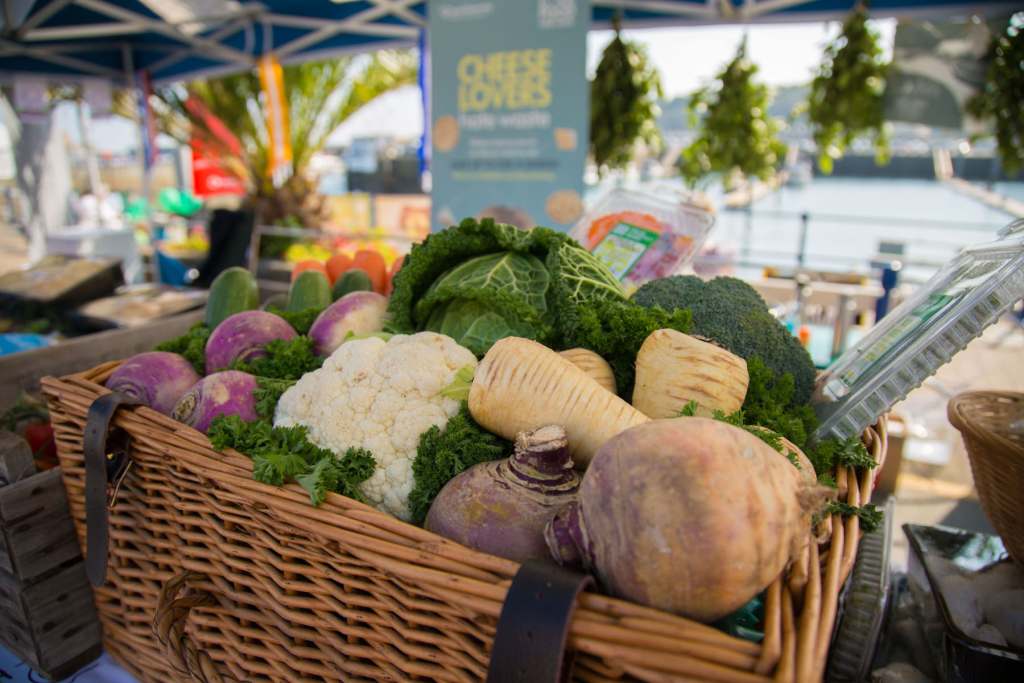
x,y
689,515
502,506
521,385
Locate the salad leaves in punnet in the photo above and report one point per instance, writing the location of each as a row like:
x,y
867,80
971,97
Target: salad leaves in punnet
x,y
482,281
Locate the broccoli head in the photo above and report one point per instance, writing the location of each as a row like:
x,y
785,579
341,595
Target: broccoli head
x,y
731,313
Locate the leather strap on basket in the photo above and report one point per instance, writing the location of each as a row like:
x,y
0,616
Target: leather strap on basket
x,y
529,645
172,612
101,468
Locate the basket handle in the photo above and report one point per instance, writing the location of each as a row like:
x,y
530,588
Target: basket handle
x,y
102,467
172,612
535,619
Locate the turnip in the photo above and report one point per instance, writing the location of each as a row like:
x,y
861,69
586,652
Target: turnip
x,y
355,313
223,393
689,515
156,379
521,385
502,506
244,337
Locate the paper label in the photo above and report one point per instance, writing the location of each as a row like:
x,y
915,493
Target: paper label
x,y
621,248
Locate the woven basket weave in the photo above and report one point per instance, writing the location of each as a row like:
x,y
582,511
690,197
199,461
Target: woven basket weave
x,y
219,577
996,452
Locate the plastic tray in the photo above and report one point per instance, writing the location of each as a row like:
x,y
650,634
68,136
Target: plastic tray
x,y
919,336
961,658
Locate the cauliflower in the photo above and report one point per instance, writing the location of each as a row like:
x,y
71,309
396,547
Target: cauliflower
x,y
381,396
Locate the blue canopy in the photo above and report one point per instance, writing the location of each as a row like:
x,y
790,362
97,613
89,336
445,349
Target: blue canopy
x,y
185,39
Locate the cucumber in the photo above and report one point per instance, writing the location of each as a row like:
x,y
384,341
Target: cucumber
x,y
353,280
233,291
311,289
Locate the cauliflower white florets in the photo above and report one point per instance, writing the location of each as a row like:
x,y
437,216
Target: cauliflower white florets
x,y
380,396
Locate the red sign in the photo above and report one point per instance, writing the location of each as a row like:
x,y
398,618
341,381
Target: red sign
x,y
210,177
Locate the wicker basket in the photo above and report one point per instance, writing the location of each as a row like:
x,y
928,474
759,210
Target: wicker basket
x,y
997,458
274,591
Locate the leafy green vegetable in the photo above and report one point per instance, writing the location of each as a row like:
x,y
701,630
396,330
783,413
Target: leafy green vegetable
x,y
731,313
444,453
832,452
735,133
869,516
623,103
846,99
480,281
268,393
301,321
283,454
615,330
289,359
191,345
999,101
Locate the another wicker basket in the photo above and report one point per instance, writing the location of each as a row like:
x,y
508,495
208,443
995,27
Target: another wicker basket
x,y
996,452
254,584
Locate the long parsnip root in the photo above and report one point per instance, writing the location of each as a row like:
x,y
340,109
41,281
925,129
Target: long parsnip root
x,y
592,364
521,385
673,369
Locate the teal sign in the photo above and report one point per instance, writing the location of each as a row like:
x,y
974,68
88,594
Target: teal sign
x,y
509,98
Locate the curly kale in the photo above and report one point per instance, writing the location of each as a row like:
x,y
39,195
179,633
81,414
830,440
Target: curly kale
x,y
615,330
869,516
731,313
285,359
444,453
283,454
191,345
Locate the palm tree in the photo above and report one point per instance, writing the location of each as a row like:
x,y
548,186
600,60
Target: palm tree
x,y
319,95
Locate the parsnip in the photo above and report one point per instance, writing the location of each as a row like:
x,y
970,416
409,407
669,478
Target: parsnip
x,y
521,385
673,369
592,364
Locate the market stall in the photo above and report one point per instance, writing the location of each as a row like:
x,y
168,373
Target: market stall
x,y
423,461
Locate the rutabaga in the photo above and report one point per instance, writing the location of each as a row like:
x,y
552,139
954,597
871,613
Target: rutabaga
x,y
689,515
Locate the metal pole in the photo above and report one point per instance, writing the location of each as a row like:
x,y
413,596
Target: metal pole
x,y
805,218
748,230
129,69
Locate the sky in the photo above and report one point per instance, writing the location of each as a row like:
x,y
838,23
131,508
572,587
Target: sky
x,y
787,54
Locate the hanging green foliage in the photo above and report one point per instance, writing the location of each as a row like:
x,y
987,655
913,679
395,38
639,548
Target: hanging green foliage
x,y
1001,101
846,98
623,103
735,134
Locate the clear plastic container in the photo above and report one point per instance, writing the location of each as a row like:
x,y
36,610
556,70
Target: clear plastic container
x,y
922,334
641,236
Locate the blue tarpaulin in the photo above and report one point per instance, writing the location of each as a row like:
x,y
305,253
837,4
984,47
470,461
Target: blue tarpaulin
x,y
184,39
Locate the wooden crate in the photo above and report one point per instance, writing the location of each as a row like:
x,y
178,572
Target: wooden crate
x,y
47,616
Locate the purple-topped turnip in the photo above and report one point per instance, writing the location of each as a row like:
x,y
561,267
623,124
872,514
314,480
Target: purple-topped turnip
x,y
222,393
355,313
501,507
157,379
244,337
